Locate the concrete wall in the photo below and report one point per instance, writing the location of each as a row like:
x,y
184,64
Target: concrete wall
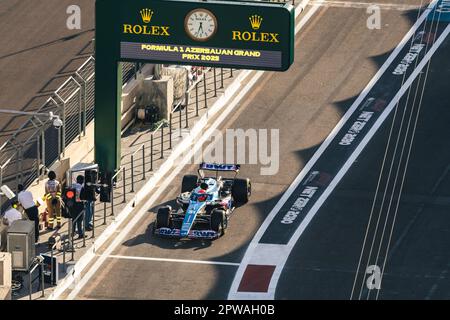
x,y
5,269
180,82
5,276
132,95
5,293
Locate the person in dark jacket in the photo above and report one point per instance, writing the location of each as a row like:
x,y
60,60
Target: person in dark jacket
x,y
78,207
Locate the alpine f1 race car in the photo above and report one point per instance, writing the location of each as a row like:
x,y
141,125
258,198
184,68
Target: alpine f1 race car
x,y
205,204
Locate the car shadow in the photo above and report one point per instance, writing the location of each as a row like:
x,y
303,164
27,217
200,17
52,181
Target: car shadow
x,y
172,203
167,242
150,238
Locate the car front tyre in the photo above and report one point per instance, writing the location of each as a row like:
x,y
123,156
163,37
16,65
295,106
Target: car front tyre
x,y
163,218
218,221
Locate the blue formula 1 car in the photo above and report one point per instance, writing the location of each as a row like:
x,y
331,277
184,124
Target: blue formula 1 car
x,y
205,204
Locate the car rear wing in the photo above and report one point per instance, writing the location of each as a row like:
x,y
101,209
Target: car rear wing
x,y
218,167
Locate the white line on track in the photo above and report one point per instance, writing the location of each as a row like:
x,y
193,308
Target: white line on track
x,y
408,154
142,212
220,263
308,15
255,250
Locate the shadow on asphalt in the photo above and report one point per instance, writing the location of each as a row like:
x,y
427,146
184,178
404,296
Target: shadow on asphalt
x,y
68,38
148,237
264,207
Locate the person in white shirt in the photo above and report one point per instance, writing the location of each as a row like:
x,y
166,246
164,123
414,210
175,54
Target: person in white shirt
x,y
29,205
12,214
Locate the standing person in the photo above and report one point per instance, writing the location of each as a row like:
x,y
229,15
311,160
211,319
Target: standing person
x,y
29,205
88,216
89,209
78,207
53,200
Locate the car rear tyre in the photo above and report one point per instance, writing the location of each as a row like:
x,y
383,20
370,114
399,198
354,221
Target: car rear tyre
x,y
218,221
163,218
189,183
242,190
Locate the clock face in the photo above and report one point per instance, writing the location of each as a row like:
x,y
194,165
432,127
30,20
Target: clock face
x,y
200,24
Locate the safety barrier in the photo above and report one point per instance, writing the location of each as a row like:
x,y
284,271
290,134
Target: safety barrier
x,y
161,138
37,144
72,232
38,262
75,97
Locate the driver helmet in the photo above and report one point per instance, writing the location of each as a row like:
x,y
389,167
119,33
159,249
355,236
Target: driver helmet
x,y
204,186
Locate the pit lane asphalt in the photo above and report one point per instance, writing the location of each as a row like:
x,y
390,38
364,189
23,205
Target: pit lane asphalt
x,y
324,265
336,56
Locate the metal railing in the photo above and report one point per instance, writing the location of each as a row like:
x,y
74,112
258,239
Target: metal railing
x,y
147,153
63,243
36,263
120,174
81,215
93,219
36,145
142,150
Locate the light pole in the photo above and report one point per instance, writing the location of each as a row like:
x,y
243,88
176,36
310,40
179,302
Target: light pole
x,y
57,122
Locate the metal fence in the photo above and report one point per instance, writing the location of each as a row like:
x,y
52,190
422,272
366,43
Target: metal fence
x,y
142,160
37,144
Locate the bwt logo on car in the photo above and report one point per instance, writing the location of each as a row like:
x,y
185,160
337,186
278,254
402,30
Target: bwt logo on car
x,y
444,6
218,166
168,232
204,234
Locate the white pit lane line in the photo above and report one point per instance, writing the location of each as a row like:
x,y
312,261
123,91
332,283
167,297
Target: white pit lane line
x,y
208,262
275,254
77,283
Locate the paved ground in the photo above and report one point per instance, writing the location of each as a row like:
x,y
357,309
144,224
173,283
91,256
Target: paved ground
x,y
416,255
38,52
40,60
132,140
336,56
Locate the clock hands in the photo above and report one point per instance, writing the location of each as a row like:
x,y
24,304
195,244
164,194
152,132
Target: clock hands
x,y
200,27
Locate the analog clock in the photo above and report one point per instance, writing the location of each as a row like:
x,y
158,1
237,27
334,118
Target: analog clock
x,y
200,24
